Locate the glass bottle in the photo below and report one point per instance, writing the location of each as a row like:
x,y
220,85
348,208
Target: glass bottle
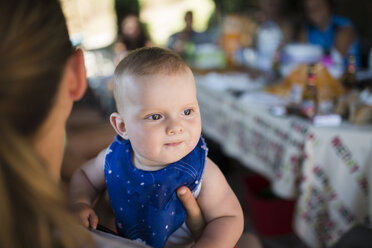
x,y
348,79
276,64
309,104
350,83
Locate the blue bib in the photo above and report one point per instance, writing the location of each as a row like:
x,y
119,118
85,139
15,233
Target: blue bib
x,y
145,203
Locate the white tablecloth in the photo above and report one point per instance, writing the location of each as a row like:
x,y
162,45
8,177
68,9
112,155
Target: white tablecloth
x,y
327,169
270,145
335,189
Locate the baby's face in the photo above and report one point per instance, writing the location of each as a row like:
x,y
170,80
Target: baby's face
x,y
162,118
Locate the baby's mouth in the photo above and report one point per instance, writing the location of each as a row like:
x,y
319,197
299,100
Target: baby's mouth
x,y
174,143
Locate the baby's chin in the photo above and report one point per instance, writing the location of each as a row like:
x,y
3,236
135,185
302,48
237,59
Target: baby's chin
x,y
177,157
171,156
173,159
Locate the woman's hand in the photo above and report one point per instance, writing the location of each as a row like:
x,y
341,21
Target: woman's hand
x,y
194,220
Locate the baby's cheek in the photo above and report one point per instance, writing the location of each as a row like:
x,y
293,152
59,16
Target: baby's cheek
x,y
194,124
150,144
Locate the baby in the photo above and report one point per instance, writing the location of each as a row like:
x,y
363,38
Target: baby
x,y
158,148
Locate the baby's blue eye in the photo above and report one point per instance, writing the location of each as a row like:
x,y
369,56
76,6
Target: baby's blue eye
x,y
187,112
155,117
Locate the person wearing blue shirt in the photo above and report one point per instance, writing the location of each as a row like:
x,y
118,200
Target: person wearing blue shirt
x,y
328,30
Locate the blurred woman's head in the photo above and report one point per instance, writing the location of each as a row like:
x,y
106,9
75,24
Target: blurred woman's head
x,y
131,26
132,32
37,80
272,9
318,12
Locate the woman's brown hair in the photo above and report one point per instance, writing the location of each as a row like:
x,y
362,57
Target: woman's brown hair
x,y
34,49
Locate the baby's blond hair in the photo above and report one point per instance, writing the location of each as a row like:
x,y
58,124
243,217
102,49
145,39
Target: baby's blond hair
x,y
146,61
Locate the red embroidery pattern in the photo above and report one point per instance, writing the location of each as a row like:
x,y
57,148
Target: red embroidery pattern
x,y
344,153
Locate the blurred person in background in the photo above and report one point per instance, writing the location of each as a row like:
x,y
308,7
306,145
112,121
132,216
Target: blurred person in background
x,y
274,31
275,11
132,35
183,42
330,31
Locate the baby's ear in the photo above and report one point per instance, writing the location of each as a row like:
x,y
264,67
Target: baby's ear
x,y
119,125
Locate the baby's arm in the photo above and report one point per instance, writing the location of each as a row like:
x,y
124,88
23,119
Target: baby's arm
x,y
86,184
221,209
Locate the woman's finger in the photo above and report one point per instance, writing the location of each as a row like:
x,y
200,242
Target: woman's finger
x,y
194,220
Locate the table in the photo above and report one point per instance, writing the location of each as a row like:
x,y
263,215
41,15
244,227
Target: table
x,y
327,169
245,130
335,189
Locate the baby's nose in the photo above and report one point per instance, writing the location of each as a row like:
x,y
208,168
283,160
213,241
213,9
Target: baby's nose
x,y
174,127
